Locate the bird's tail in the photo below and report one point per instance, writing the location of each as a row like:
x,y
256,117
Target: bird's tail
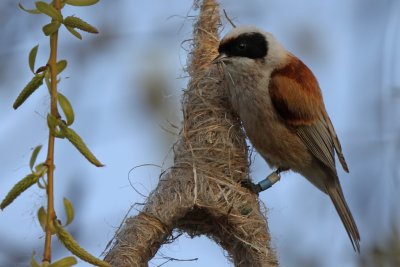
x,y
336,194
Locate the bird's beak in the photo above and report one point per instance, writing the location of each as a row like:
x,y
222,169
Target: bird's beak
x,y
219,58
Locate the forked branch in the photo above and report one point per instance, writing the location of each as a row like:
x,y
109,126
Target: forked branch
x,y
201,194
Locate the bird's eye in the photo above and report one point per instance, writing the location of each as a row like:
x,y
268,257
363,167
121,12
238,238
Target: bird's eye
x,y
242,46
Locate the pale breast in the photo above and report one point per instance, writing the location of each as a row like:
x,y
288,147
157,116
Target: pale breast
x,y
278,145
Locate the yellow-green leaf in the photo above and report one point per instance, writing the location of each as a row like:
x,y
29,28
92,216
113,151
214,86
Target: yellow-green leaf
x,y
49,10
54,125
32,58
18,188
69,211
30,11
51,28
34,263
31,87
47,79
42,218
52,122
81,2
66,108
40,185
69,242
40,169
77,141
74,32
41,69
34,155
75,22
65,262
61,65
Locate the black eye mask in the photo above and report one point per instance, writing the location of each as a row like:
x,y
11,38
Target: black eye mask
x,y
251,45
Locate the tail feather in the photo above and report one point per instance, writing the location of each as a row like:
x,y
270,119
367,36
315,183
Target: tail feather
x,y
336,194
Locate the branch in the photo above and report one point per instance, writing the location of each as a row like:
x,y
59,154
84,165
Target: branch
x,y
51,215
201,194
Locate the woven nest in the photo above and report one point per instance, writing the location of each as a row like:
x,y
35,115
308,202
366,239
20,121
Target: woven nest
x,y
201,194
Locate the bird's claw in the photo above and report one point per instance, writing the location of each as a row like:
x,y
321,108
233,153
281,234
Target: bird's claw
x,y
254,188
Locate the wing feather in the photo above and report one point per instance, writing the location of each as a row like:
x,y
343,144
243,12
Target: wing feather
x,y
318,141
336,143
297,98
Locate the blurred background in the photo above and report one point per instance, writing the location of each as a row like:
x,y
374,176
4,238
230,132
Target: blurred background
x,y
125,85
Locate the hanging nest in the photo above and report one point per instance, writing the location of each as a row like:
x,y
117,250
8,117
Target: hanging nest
x,y
202,193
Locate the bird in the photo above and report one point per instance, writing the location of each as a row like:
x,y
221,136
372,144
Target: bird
x,y
280,105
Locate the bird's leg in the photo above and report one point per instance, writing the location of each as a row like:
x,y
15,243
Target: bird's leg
x,y
281,169
266,183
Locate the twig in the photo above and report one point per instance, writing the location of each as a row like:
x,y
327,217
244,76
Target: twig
x,y
168,259
229,20
51,215
139,166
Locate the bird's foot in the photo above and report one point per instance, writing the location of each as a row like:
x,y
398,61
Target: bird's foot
x,y
264,184
254,188
281,169
270,180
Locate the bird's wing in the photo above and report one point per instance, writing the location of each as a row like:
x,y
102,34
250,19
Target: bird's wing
x,y
296,96
336,142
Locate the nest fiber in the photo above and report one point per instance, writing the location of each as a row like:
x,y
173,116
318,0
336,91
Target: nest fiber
x,y
201,194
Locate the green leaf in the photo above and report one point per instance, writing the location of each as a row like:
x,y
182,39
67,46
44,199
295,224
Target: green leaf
x,y
18,188
54,124
47,79
81,2
41,69
61,65
34,155
77,141
49,10
65,262
74,32
31,87
30,11
34,263
42,218
51,28
52,121
40,185
40,169
66,108
70,243
80,24
32,58
69,211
